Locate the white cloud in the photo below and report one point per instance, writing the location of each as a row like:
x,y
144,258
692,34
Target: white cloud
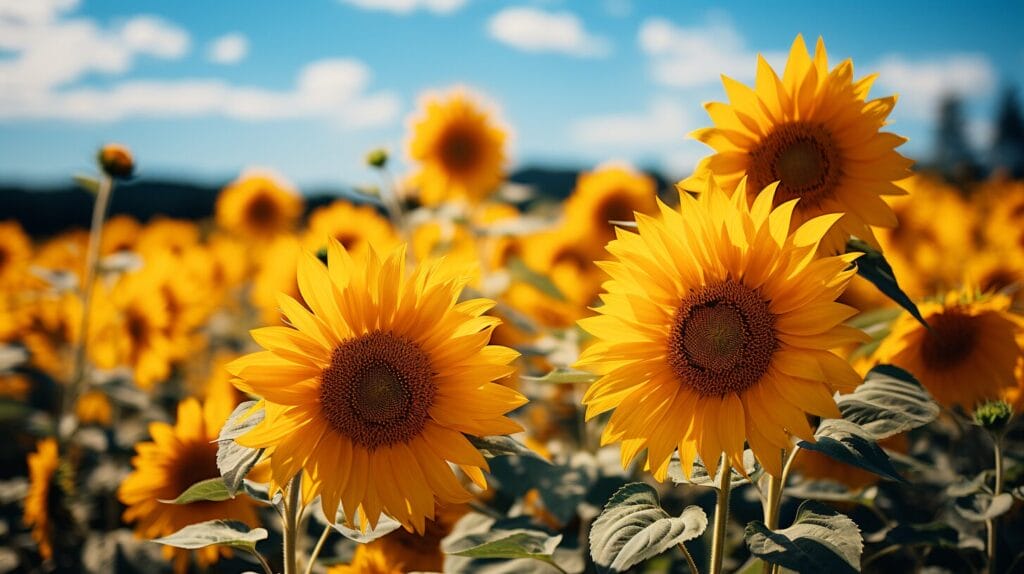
x,y
409,6
921,84
691,57
534,30
660,130
228,49
333,89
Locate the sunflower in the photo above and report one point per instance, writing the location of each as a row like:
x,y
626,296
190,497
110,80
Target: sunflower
x,y
120,233
1005,225
458,148
178,457
163,234
421,552
355,226
142,337
609,193
369,559
93,407
816,133
715,329
276,274
969,354
386,372
566,255
14,386
42,469
15,255
258,206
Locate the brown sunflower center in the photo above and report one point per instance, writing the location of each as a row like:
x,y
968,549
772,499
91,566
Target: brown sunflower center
x,y
378,389
196,462
952,338
262,212
722,339
615,208
803,157
137,325
459,149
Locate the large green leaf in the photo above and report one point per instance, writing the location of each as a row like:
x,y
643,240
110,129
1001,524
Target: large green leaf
x,y
492,446
211,489
215,532
699,473
505,544
889,401
633,527
873,267
821,540
982,506
234,461
849,443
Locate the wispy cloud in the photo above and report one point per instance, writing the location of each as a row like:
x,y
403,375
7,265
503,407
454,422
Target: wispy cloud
x,y
409,6
228,49
534,30
696,56
921,83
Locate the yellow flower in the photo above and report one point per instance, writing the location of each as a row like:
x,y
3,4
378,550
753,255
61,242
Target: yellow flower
x,y
458,149
42,466
814,131
369,559
258,206
93,407
178,457
120,233
14,386
15,255
142,336
1005,225
355,226
566,256
276,274
609,193
167,235
970,353
716,329
385,372
421,552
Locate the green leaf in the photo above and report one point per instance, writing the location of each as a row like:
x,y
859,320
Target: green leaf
x,y
983,506
88,183
234,461
932,534
215,533
354,530
699,474
889,401
492,446
506,544
873,267
633,527
211,489
521,272
562,488
849,443
821,540
565,377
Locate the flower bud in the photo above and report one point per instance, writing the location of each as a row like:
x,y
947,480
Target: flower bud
x,y
377,158
116,161
993,415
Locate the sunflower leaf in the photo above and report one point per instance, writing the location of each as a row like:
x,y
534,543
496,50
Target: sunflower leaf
x,y
87,182
520,271
873,267
889,401
821,540
699,474
215,533
240,421
500,445
633,527
564,377
850,443
982,506
354,530
209,490
505,544
234,461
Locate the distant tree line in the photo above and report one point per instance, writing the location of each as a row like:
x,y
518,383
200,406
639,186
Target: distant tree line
x,y
957,160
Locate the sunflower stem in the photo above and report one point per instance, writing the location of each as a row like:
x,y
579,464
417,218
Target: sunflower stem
x,y
990,524
721,519
291,530
316,549
689,559
78,375
775,488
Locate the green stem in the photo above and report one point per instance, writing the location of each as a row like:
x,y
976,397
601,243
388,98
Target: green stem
x,y
319,546
689,559
291,530
263,562
990,524
78,376
721,519
775,488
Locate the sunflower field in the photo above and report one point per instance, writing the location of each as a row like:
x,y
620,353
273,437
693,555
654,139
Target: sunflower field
x,y
803,357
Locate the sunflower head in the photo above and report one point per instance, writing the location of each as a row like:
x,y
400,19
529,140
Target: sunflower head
x,y
15,255
385,371
116,161
814,132
43,495
970,352
258,206
370,559
353,226
609,193
458,148
716,330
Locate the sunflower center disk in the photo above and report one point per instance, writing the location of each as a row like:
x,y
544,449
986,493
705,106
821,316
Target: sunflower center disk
x,y
722,340
262,211
802,157
951,340
459,150
378,389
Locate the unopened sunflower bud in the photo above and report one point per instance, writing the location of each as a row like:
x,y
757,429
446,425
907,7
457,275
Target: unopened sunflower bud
x,y
116,161
377,158
993,415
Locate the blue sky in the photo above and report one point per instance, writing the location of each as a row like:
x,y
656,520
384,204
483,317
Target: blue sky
x,y
203,90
